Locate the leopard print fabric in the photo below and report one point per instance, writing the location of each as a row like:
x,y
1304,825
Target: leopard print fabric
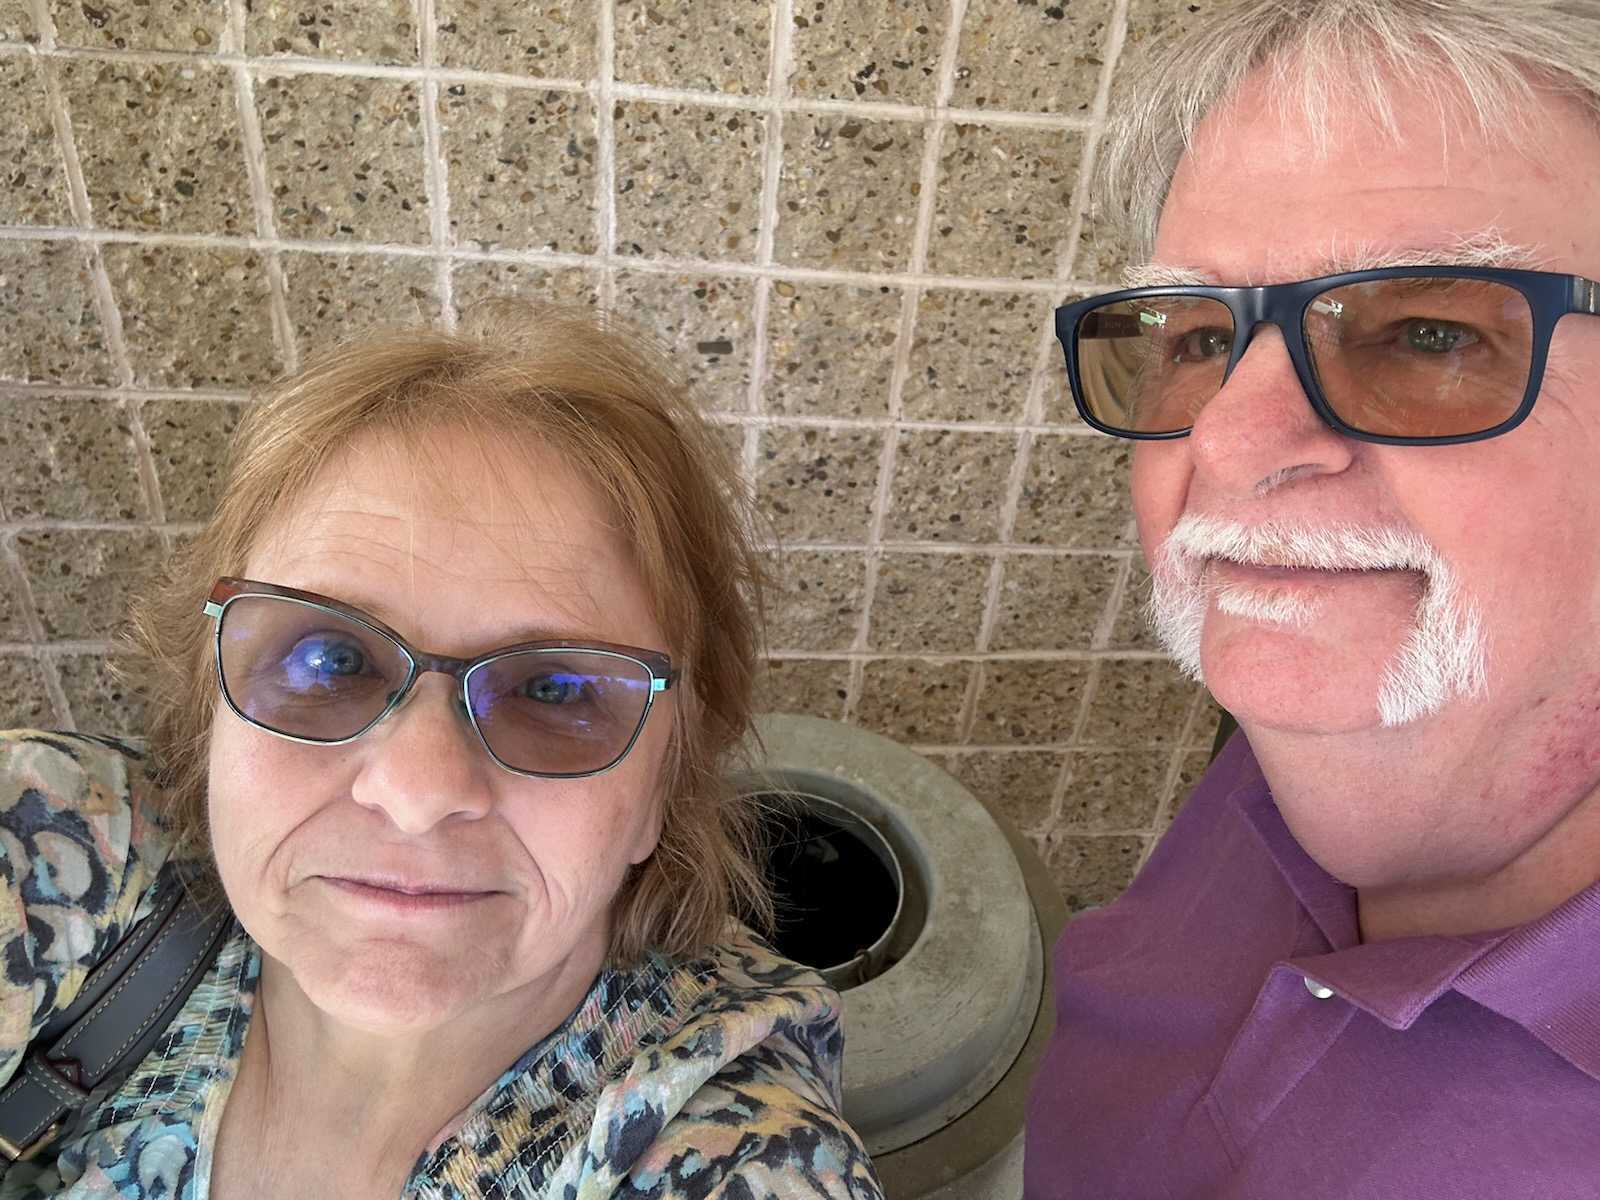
x,y
716,1079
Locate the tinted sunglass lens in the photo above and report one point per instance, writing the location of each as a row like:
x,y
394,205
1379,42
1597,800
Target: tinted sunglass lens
x,y
559,712
1149,365
1422,356
307,671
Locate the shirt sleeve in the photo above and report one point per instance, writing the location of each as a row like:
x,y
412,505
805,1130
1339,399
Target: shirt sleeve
x,y
756,1130
80,849
764,1125
790,1146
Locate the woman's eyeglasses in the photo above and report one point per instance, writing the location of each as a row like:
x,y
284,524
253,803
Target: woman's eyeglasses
x,y
314,670
1402,356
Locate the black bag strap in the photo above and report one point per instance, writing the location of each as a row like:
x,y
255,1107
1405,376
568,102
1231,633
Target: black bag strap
x,y
126,1003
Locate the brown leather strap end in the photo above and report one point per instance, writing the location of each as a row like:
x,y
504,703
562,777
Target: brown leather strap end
x,y
34,1106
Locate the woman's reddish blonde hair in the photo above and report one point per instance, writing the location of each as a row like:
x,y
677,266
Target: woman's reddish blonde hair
x,y
621,418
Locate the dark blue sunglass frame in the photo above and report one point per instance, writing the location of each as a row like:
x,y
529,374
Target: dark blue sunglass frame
x,y
1550,297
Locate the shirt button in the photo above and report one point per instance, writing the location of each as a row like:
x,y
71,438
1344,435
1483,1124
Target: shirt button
x,y
1320,991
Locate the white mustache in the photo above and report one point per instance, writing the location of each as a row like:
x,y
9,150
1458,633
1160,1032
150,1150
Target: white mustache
x,y
1274,544
1443,657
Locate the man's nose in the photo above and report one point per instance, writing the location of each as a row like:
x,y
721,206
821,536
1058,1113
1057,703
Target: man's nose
x,y
1260,429
424,764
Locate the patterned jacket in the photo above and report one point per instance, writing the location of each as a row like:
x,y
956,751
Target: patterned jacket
x,y
717,1078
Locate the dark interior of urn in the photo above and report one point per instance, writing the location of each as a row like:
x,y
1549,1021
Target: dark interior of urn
x,y
834,895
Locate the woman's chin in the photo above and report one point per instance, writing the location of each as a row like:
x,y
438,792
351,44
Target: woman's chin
x,y
393,987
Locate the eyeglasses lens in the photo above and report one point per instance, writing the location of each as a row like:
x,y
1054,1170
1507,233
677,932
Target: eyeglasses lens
x,y
304,670
1421,357
559,712
1148,365
300,669
1412,357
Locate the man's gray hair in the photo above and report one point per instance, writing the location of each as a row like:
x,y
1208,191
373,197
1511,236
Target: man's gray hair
x,y
1502,52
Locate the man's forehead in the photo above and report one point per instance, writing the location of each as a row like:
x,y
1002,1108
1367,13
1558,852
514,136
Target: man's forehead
x,y
1268,189
1485,247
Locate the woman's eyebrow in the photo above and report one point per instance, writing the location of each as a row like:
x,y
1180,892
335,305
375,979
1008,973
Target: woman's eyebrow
x,y
543,633
369,604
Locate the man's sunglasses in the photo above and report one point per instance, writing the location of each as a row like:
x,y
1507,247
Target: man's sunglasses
x,y
312,669
1404,356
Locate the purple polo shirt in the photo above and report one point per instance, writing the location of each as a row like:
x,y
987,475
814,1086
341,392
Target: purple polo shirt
x,y
1223,1033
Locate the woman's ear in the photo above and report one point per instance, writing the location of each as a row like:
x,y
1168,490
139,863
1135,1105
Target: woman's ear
x,y
648,836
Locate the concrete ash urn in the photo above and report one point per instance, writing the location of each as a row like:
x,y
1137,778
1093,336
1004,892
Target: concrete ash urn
x,y
933,919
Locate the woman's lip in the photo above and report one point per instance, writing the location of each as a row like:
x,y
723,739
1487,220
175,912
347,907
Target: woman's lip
x,y
406,886
403,895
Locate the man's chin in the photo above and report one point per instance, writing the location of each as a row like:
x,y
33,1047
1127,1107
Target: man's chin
x,y
1280,679
1256,712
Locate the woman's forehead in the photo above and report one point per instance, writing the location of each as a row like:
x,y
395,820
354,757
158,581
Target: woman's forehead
x,y
473,542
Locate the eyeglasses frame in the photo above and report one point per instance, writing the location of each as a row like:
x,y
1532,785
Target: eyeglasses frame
x,y
1550,297
229,589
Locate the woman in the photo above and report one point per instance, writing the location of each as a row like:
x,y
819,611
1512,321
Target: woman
x,y
441,697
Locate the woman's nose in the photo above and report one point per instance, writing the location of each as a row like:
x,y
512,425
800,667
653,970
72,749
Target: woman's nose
x,y
424,763
1261,428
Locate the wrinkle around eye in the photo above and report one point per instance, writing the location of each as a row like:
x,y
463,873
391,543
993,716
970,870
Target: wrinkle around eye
x,y
1567,386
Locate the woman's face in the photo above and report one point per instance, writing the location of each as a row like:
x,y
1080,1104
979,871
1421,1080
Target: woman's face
x,y
319,846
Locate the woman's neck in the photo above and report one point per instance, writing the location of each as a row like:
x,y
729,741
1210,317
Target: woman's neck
x,y
375,1100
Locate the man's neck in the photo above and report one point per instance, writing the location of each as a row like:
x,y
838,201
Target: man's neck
x,y
1437,840
1557,867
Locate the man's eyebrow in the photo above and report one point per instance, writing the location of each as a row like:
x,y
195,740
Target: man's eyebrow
x,y
1483,248
1161,275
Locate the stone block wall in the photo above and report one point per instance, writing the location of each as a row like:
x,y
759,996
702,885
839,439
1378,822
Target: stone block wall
x,y
849,221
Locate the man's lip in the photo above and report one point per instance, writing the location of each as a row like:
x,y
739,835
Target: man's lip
x,y
1272,572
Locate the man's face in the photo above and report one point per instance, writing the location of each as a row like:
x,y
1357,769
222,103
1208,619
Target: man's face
x,y
1515,520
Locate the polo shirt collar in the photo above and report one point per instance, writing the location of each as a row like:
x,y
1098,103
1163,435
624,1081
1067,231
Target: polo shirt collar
x,y
1331,905
1544,976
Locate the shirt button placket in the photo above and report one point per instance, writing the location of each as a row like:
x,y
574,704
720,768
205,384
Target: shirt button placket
x,y
1280,1043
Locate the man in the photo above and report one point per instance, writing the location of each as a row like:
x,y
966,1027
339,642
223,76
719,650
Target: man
x,y
1365,961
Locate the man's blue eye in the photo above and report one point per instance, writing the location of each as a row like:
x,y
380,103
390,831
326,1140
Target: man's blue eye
x,y
1437,337
1203,344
